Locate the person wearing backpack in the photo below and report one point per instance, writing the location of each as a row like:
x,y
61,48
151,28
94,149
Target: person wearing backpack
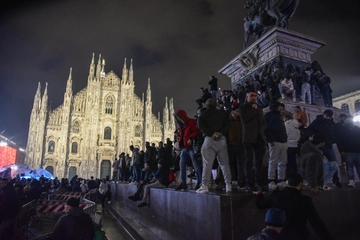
x,y
75,224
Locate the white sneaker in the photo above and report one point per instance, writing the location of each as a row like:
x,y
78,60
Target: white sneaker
x,y
294,99
135,183
351,183
203,189
109,202
228,188
272,186
326,188
305,183
282,185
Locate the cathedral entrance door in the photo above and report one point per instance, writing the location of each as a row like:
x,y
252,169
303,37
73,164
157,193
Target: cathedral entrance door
x,y
72,172
105,169
50,169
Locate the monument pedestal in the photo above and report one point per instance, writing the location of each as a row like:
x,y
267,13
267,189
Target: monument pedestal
x,y
279,51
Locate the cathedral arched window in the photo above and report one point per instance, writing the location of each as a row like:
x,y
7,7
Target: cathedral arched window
x,y
345,108
76,127
51,147
109,105
74,147
137,131
107,133
357,106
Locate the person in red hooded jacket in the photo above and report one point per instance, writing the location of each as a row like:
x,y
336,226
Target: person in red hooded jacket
x,y
188,134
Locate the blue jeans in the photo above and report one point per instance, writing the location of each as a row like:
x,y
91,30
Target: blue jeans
x,y
330,155
185,154
136,173
352,160
213,93
330,167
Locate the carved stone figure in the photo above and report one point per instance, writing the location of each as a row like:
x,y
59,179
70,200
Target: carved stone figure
x,y
265,13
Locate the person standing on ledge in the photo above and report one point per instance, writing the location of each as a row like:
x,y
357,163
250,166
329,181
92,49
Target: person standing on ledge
x,y
214,124
213,86
253,125
188,133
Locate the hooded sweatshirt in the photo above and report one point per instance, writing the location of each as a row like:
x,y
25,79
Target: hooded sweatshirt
x,y
188,129
293,132
311,165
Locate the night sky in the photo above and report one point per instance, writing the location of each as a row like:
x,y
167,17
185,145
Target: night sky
x,y
177,44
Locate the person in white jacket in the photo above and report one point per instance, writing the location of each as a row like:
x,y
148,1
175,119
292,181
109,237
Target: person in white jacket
x,y
104,190
293,136
286,86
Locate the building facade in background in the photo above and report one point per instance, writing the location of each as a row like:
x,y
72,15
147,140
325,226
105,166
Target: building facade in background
x,y
90,129
349,103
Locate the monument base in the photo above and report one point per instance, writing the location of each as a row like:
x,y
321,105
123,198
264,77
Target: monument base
x,y
187,215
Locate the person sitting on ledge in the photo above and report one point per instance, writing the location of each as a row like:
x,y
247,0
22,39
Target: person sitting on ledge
x,y
286,86
275,220
160,180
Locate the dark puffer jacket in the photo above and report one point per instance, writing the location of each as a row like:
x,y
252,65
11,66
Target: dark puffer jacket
x,y
253,123
324,127
74,225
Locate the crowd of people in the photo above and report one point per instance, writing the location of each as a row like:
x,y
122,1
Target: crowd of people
x,y
220,144
305,87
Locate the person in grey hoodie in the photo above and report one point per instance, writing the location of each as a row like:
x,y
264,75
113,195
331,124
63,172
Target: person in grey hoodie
x,y
311,165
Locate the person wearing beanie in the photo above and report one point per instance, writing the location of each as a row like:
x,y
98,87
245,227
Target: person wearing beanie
x,y
75,224
299,210
275,220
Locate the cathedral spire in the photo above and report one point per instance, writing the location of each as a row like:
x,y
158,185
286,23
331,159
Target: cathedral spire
x,y
69,85
44,100
102,73
124,73
92,68
131,73
148,92
98,67
37,100
69,81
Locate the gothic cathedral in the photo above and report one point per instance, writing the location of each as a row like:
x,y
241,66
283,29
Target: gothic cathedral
x,y
85,134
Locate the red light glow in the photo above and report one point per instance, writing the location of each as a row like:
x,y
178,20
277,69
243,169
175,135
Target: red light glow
x,y
7,155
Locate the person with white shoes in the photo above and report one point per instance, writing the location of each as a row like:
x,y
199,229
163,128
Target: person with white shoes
x,y
311,164
214,124
286,86
348,143
275,134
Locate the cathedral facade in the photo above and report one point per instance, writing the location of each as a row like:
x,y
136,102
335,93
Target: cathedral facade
x,y
90,129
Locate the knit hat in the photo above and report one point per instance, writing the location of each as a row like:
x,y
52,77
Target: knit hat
x,y
275,217
73,202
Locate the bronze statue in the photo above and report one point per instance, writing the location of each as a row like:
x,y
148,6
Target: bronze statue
x,y
265,13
